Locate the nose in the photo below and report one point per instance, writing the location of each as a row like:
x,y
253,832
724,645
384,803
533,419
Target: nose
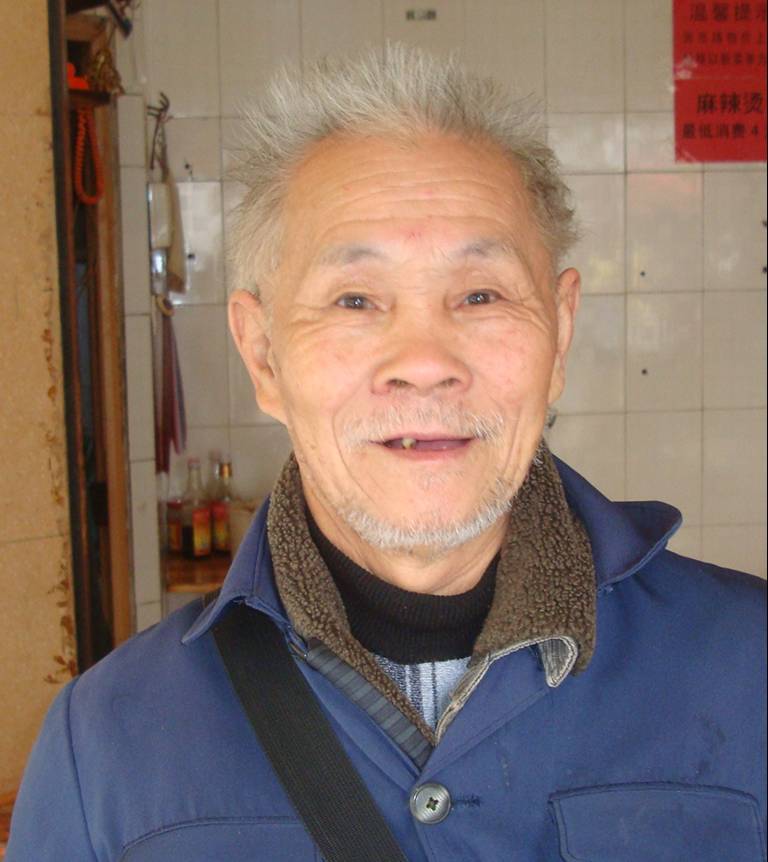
x,y
424,361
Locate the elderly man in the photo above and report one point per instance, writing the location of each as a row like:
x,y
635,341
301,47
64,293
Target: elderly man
x,y
515,667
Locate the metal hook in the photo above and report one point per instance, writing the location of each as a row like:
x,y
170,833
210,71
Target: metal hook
x,y
161,114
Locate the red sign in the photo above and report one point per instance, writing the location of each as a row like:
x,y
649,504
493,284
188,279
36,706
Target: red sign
x,y
720,80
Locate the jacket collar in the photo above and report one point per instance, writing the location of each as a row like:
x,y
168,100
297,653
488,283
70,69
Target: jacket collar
x,y
623,536
248,580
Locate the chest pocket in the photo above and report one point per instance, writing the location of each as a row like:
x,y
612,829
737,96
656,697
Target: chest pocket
x,y
658,823
236,840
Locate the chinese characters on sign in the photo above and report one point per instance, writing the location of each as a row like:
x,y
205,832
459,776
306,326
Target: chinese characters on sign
x,y
720,80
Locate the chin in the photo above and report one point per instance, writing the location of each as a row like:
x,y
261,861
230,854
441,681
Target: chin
x,y
432,536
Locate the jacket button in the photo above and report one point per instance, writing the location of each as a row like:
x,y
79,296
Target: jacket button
x,y
430,803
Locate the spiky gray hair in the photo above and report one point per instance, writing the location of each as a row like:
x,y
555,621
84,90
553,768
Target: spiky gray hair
x,y
401,91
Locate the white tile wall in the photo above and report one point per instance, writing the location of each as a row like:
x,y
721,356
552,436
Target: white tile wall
x,y
135,240
146,543
588,143
687,542
132,132
664,460
135,283
664,351
672,323
651,144
648,55
664,231
243,409
734,230
518,59
741,547
232,144
734,477
573,437
131,56
139,386
734,349
183,55
443,34
599,255
332,27
194,149
254,39
232,194
595,374
203,243
258,454
201,333
585,56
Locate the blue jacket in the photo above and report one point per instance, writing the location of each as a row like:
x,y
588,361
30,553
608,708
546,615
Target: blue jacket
x,y
655,753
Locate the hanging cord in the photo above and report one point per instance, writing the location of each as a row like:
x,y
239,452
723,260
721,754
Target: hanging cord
x,y
86,129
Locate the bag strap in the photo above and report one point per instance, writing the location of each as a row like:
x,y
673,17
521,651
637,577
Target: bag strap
x,y
315,771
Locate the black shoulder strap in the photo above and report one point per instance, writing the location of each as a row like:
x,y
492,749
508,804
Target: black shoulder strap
x,y
312,766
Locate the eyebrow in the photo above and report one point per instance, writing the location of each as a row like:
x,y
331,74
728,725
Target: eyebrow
x,y
487,248
347,253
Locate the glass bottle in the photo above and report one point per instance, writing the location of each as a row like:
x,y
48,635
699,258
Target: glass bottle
x,y
214,470
195,515
220,506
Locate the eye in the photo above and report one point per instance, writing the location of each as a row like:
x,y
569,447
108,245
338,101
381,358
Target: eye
x,y
354,301
481,297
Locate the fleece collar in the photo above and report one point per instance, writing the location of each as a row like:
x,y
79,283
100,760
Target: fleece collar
x,y
545,583
565,539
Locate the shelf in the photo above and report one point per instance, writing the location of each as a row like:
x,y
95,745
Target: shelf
x,y
182,575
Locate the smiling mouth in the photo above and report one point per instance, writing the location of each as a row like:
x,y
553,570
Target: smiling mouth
x,y
426,444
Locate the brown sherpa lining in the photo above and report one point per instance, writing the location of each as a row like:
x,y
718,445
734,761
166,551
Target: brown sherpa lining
x,y
545,584
545,581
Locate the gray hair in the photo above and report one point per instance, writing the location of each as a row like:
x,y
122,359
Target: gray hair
x,y
399,92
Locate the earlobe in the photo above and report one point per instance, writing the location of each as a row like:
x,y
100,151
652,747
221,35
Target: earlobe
x,y
568,292
250,332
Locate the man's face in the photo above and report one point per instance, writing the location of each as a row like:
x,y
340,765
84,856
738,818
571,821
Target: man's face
x,y
417,336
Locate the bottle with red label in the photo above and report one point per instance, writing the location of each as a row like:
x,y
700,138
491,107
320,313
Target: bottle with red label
x,y
220,504
195,515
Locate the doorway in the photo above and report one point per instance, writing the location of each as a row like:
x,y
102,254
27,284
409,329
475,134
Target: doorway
x,y
87,192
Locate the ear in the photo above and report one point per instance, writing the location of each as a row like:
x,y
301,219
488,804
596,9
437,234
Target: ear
x,y
250,330
568,291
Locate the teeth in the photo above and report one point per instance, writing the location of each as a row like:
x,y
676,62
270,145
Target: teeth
x,y
408,442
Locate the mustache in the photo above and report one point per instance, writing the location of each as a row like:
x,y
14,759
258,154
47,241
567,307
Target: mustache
x,y
393,421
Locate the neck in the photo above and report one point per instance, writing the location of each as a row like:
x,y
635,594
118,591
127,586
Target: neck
x,y
421,570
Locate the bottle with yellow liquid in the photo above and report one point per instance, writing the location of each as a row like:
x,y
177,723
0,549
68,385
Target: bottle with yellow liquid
x,y
195,515
222,500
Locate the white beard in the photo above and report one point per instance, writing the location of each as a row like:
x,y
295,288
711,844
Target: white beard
x,y
437,540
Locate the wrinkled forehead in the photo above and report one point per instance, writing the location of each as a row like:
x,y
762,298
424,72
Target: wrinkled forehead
x,y
434,189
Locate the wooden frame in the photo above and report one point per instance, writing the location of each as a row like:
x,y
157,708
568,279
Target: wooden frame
x,y
113,385
107,367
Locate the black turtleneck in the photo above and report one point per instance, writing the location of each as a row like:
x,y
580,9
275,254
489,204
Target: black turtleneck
x,y
406,627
